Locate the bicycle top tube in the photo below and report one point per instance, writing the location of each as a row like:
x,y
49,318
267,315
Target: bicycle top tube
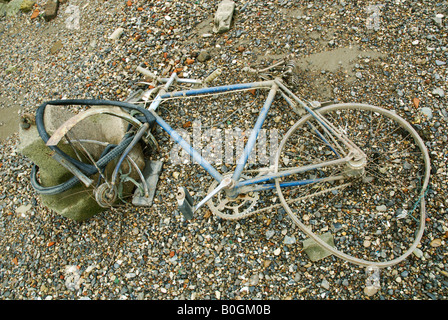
x,y
208,90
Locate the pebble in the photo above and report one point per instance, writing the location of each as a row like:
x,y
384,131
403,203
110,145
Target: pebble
x,y
325,284
418,253
439,92
289,240
23,209
116,34
436,243
269,234
203,56
57,46
427,112
254,279
370,290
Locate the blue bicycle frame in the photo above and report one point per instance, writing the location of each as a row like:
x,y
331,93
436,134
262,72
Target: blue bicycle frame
x,y
257,183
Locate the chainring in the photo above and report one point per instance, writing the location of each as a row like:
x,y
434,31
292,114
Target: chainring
x,y
232,209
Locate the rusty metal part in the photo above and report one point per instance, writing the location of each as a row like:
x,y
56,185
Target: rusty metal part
x,y
243,202
106,195
73,169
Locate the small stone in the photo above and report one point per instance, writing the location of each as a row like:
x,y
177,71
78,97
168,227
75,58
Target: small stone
x,y
176,175
438,19
116,34
253,281
440,63
51,9
23,209
367,243
277,251
427,112
325,284
439,92
381,208
56,47
436,243
418,253
337,227
416,102
289,240
203,56
270,234
223,16
370,290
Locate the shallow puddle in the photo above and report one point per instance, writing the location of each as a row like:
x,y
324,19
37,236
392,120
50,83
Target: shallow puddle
x,y
9,119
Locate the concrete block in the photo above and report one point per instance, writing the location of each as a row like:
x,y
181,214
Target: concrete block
x,y
77,203
223,16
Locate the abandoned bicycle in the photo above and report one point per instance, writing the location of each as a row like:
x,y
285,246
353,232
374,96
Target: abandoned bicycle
x,y
341,161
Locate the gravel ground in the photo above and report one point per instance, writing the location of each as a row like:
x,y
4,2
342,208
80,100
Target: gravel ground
x,y
398,62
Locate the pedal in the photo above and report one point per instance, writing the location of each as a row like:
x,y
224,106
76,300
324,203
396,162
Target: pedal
x,y
185,203
151,174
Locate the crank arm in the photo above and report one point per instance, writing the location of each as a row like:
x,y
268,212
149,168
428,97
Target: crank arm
x,y
226,182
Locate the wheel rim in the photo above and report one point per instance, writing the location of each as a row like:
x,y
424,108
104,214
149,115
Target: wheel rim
x,y
411,135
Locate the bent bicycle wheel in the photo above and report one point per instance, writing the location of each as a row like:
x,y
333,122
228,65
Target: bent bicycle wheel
x,y
376,213
95,138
